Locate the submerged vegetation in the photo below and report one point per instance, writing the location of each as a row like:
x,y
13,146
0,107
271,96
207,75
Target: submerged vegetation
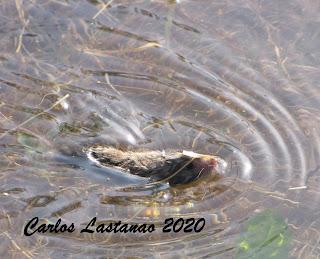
x,y
265,235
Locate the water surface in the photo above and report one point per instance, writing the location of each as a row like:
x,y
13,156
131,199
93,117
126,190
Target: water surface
x,y
237,79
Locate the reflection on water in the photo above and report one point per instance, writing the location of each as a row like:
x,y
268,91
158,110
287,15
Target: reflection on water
x,y
237,79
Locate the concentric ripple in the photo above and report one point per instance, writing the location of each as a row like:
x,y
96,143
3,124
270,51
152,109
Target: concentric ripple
x,y
236,79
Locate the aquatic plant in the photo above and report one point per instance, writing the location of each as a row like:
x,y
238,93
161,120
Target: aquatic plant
x,y
266,235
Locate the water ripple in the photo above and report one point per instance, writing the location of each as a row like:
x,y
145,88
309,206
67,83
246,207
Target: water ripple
x,y
231,79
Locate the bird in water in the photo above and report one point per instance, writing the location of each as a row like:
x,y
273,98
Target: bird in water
x,y
174,167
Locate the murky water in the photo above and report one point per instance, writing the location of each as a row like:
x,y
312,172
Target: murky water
x,y
237,79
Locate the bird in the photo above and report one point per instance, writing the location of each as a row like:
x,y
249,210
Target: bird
x,y
174,167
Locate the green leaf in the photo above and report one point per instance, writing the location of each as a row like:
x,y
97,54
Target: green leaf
x,y
265,235
31,142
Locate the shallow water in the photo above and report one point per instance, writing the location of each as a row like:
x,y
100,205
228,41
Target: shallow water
x,y
237,79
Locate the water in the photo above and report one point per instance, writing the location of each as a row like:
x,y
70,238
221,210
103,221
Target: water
x,y
237,79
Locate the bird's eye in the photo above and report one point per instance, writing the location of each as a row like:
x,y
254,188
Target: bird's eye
x,y
190,166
